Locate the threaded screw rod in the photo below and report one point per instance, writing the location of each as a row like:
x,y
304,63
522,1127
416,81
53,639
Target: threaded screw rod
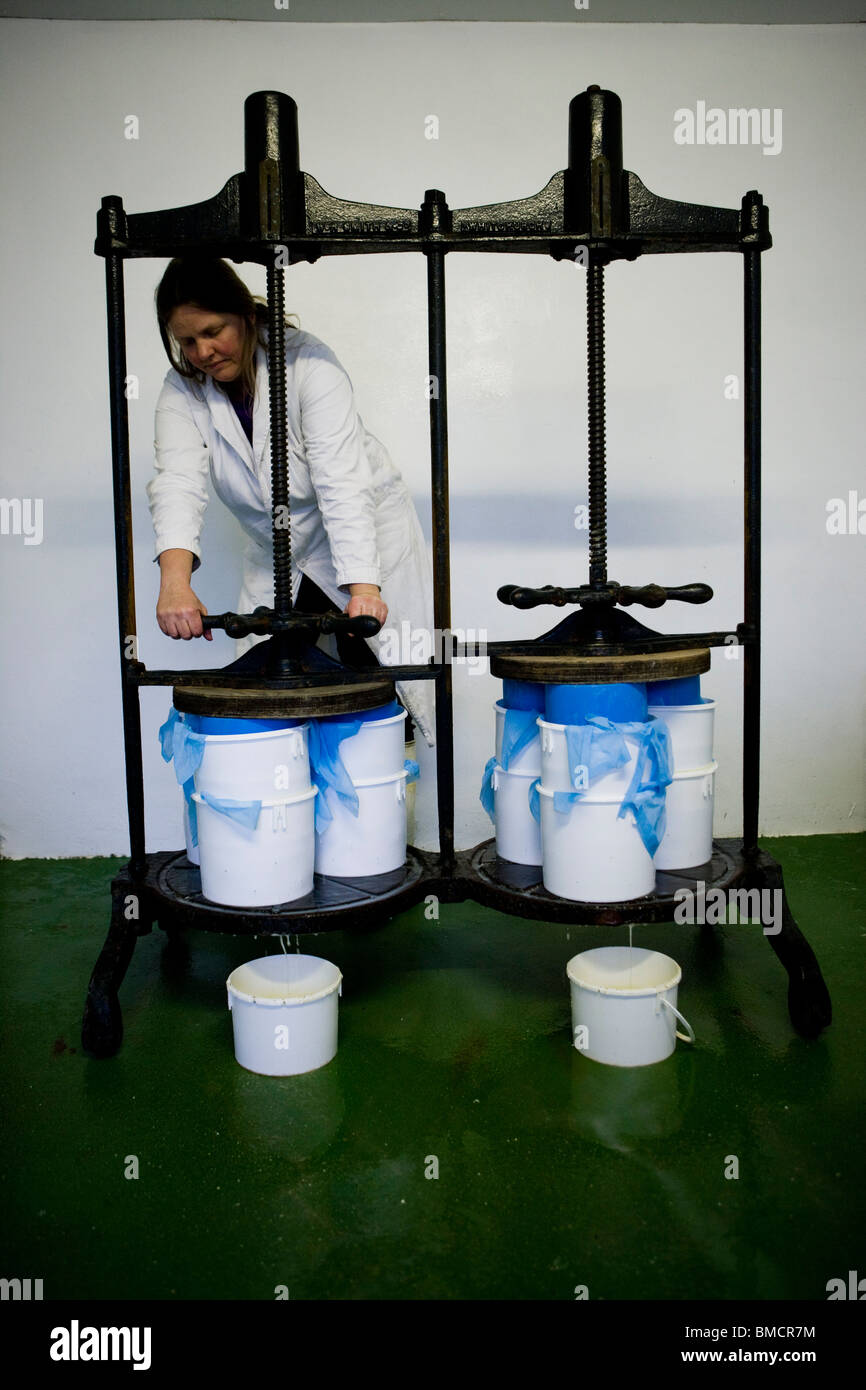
x,y
280,517
597,462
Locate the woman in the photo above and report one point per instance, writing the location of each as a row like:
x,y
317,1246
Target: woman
x,y
357,544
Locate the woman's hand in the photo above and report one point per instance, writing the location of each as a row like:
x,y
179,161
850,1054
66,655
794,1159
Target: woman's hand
x,y
366,601
179,611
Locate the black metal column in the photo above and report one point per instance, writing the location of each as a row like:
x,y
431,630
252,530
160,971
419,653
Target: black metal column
x,y
111,211
441,541
752,546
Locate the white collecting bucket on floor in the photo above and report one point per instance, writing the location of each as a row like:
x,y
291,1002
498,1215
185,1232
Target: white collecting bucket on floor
x,y
691,731
590,854
556,775
374,841
688,837
529,758
263,867
284,1013
273,763
624,1005
518,834
377,749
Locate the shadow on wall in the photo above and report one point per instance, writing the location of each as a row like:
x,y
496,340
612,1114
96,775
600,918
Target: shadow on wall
x,y
512,519
494,518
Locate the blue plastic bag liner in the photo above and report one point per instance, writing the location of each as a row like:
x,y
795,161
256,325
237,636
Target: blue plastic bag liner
x,y
486,794
244,812
574,704
523,695
598,746
166,734
562,801
645,796
182,744
412,769
192,810
653,773
519,729
205,724
327,770
684,690
380,712
188,752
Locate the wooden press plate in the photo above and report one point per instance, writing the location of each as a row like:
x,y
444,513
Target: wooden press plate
x,y
537,665
238,702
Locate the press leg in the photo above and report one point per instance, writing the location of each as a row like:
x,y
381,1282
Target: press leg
x,y
809,1004
102,1026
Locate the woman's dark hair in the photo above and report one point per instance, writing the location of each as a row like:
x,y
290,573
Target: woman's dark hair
x,y
209,283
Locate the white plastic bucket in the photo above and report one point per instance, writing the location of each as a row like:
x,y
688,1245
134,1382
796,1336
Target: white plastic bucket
x,y
518,834
191,849
691,731
284,1013
378,748
271,764
374,841
590,855
263,867
556,775
528,760
688,837
624,1005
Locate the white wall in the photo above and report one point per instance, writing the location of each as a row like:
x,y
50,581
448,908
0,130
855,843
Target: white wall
x,y
515,357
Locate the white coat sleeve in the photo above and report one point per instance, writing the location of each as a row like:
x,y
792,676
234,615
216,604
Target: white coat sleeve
x,y
178,494
339,468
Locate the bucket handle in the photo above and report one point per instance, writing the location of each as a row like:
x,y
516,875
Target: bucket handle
x,y
688,1037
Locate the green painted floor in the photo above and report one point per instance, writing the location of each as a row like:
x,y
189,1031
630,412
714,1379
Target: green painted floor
x,y
554,1171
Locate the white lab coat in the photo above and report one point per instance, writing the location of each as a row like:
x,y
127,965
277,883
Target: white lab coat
x,y
352,517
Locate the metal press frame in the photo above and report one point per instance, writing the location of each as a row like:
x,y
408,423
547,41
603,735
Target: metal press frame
x,y
272,213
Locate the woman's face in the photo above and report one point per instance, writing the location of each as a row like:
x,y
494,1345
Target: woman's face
x,y
211,342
